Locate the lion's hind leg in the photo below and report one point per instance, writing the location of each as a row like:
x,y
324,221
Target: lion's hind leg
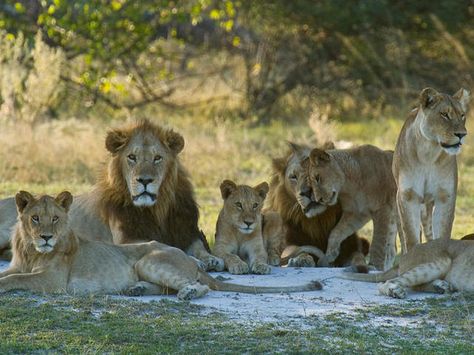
x,y
171,268
419,275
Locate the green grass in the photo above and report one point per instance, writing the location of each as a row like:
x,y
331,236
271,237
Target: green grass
x,y
105,324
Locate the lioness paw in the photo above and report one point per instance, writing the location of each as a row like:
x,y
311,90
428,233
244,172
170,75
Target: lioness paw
x,y
261,269
442,286
192,291
392,289
302,260
213,263
239,268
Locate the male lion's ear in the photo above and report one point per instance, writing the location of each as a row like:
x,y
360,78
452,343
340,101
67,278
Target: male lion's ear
x,y
463,96
64,199
262,190
319,157
227,187
22,200
428,97
174,141
116,140
279,165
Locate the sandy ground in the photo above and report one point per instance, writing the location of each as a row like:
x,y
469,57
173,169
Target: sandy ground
x,y
337,296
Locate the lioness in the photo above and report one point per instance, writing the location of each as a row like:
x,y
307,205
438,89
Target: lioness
x,y
143,193
439,266
424,163
48,257
361,180
306,221
243,233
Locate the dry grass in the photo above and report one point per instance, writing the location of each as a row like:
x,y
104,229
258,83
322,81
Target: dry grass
x,y
66,155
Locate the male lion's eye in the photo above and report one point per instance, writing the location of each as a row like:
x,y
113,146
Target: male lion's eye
x,y
255,205
35,218
318,178
132,157
158,159
55,219
239,205
293,177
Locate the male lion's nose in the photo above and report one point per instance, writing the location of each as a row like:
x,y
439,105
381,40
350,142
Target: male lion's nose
x,y
46,237
306,193
248,223
460,135
145,181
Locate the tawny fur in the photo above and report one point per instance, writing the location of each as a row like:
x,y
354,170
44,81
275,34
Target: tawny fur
x,y
246,240
425,166
48,257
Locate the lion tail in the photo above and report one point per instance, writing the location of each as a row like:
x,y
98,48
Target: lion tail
x,y
378,277
217,285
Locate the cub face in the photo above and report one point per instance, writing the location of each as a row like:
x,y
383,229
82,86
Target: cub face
x,y
45,220
326,177
243,204
443,118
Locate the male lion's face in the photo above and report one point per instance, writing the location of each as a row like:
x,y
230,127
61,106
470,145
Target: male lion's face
x,y
297,181
45,220
443,118
326,177
243,204
145,160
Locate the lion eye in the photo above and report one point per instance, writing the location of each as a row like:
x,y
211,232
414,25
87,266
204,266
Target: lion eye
x,y
445,115
238,205
35,219
158,159
255,205
317,178
463,117
55,219
293,177
132,157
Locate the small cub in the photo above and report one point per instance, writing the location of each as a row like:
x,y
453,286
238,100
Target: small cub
x,y
244,233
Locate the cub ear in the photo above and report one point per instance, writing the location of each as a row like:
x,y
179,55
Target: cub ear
x,y
22,200
319,157
262,189
174,141
64,199
328,145
227,187
116,140
463,96
428,97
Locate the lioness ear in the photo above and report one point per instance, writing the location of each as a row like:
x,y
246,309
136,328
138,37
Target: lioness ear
x,y
227,187
319,157
116,140
64,199
174,141
262,190
463,96
22,200
428,97
328,145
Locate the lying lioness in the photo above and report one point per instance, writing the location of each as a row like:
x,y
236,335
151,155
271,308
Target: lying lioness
x,y
440,266
48,257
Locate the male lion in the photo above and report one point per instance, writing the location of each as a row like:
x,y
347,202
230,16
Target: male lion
x,y
243,233
439,266
143,193
307,222
424,163
48,257
361,180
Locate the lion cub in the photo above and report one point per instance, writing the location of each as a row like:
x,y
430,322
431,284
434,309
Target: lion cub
x,y
244,233
439,266
361,180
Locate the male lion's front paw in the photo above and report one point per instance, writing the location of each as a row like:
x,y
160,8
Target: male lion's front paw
x,y
302,260
261,269
213,263
274,260
392,289
332,254
239,268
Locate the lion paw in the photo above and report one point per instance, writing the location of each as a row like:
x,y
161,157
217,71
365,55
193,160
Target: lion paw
x,y
393,290
302,260
261,269
274,260
239,268
332,254
192,291
136,291
442,286
213,263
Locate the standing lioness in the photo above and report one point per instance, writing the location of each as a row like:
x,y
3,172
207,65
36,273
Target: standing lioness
x,y
424,163
48,257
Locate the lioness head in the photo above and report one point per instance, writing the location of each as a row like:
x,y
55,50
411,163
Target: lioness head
x,y
146,155
45,219
326,177
243,204
297,179
443,118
